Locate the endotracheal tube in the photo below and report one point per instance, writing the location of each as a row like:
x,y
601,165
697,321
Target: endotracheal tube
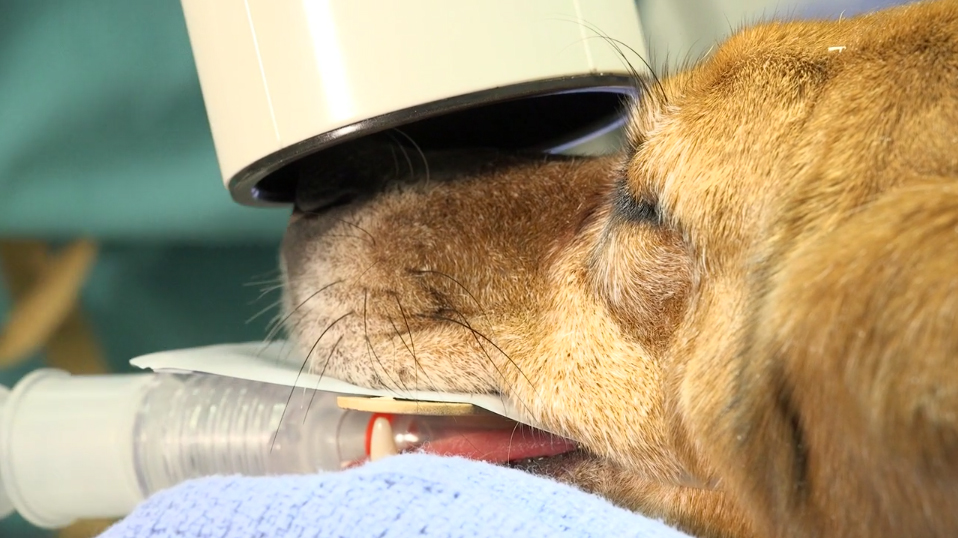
x,y
94,446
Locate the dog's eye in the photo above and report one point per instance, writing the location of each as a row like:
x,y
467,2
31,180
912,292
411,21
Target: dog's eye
x,y
638,210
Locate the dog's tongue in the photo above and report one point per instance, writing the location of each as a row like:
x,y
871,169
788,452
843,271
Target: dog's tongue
x,y
500,446
492,439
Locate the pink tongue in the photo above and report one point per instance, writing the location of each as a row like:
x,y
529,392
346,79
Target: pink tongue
x,y
499,446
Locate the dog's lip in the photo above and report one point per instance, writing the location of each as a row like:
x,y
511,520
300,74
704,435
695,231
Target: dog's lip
x,y
555,466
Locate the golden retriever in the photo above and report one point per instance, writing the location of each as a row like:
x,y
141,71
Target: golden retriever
x,y
747,320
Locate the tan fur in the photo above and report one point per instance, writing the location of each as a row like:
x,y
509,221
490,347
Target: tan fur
x,y
775,356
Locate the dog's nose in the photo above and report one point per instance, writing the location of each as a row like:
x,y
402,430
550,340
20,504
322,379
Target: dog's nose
x,y
318,204
333,180
315,203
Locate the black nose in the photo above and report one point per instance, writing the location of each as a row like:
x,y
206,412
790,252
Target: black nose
x,y
318,203
344,175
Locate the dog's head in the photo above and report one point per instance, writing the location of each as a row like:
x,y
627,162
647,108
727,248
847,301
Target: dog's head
x,y
611,299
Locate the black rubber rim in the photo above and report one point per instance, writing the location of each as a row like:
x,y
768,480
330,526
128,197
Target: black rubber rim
x,y
262,183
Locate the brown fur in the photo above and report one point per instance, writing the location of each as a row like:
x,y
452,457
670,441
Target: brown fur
x,y
748,322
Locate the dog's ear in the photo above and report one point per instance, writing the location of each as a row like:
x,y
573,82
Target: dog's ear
x,y
847,422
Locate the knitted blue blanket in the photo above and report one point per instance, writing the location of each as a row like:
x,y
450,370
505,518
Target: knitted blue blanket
x,y
408,495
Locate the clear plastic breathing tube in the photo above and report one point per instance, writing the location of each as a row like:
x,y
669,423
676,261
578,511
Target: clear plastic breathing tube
x,y
75,447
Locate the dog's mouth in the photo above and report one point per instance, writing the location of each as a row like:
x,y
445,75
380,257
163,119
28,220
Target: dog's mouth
x,y
513,445
487,437
518,447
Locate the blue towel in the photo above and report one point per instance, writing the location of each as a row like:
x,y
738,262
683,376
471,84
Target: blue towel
x,y
407,495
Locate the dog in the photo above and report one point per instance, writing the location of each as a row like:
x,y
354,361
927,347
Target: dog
x,y
747,320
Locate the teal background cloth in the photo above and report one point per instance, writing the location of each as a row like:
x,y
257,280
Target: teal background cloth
x,y
103,130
